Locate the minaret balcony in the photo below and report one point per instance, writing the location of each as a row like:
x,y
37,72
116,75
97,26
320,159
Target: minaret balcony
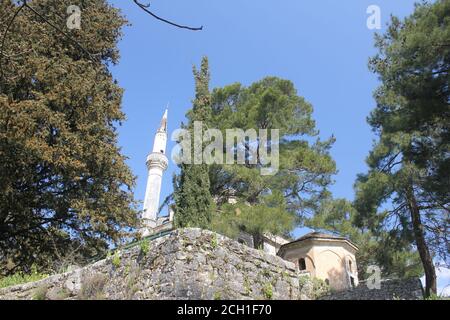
x,y
156,159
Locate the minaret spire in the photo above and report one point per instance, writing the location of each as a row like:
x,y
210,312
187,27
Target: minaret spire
x,y
157,163
163,126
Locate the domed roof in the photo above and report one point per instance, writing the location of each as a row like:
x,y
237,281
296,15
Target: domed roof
x,y
320,236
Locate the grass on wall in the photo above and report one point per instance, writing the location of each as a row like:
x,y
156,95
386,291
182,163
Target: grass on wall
x,y
21,278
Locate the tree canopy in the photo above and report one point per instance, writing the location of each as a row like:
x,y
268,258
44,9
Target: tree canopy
x,y
395,257
273,203
193,201
405,191
64,184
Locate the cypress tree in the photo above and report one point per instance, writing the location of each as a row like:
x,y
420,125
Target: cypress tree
x,y
193,201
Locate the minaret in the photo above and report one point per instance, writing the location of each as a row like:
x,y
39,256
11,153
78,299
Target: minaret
x,y
157,163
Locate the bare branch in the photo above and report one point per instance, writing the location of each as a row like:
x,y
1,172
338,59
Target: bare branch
x,y
91,56
145,8
389,165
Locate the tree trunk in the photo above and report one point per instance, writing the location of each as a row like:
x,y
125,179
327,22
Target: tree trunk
x,y
422,247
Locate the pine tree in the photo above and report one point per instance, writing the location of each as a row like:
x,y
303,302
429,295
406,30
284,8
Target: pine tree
x,y
396,257
64,185
305,168
406,188
193,201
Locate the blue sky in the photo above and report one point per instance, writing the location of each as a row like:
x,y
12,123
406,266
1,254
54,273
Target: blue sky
x,y
322,46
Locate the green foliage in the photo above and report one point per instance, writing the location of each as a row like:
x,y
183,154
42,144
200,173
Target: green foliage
x,y
217,295
437,297
144,246
127,269
193,201
64,184
20,278
267,291
247,287
395,261
412,114
214,241
225,222
413,99
315,287
404,197
303,280
268,203
269,216
116,260
340,217
319,288
263,203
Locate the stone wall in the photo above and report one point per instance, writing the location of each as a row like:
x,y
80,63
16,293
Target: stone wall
x,y
409,289
186,264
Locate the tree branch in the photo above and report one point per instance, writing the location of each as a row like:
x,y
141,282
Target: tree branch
x,y
4,38
89,54
91,57
145,8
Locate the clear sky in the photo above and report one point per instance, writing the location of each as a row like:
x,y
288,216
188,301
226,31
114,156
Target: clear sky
x,y
323,46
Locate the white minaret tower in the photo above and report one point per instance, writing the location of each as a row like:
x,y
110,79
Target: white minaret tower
x,y
157,163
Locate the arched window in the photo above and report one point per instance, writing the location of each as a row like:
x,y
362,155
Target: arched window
x,y
350,265
302,264
241,241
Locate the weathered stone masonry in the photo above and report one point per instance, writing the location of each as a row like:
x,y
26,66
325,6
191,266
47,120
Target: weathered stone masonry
x,y
194,264
186,264
406,289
